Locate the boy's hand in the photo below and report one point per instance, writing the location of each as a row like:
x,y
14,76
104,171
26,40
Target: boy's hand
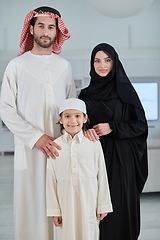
x,y
57,221
101,216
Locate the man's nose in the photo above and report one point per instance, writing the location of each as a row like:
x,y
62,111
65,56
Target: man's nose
x,y
45,32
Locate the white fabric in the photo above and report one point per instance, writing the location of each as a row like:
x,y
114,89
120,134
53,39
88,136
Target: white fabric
x,y
77,187
32,88
72,103
41,15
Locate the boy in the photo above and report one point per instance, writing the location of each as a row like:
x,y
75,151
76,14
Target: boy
x,y
77,185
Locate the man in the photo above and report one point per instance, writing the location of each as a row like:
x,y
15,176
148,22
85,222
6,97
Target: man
x,y
34,84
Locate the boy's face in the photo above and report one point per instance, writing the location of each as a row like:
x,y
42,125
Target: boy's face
x,y
72,121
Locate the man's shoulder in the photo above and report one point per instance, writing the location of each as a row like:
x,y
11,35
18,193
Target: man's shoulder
x,y
20,59
60,59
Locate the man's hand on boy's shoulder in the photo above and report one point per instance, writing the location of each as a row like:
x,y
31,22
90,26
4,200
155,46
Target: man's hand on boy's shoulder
x,y
47,146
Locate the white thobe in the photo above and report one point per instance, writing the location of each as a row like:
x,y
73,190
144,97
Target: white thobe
x,y
32,89
77,187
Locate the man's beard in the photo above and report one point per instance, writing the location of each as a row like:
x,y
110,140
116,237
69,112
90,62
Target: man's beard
x,y
43,45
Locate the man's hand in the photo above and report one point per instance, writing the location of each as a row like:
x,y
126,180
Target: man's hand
x,y
102,129
91,135
47,146
57,221
101,216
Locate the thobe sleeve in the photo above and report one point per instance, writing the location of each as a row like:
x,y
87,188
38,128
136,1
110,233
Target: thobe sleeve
x,y
104,204
8,109
71,90
53,207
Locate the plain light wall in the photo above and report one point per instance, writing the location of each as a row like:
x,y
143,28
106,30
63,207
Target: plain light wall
x,y
86,25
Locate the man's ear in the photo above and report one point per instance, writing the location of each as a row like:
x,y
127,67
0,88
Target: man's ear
x,y
31,29
60,120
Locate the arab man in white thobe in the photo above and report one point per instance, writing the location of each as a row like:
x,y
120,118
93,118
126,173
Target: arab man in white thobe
x,y
34,84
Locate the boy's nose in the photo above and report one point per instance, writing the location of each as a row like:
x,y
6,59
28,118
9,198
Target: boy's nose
x,y
73,119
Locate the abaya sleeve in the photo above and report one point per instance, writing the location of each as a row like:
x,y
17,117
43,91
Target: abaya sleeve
x,y
132,123
130,132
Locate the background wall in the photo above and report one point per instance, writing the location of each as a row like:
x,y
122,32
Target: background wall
x,y
87,27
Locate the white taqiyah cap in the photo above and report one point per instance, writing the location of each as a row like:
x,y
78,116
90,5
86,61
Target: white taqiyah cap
x,y
72,103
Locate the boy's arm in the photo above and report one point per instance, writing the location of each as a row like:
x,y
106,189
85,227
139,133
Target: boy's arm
x,y
52,201
57,221
104,201
101,216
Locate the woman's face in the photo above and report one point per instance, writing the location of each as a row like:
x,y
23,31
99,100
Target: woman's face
x,y
102,64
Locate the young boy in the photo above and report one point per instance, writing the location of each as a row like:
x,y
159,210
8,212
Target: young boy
x,y
77,186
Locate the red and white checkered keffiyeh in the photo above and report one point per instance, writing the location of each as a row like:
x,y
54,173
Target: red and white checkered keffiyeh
x,y
26,42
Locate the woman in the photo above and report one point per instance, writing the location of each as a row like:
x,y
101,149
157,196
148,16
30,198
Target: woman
x,y
117,118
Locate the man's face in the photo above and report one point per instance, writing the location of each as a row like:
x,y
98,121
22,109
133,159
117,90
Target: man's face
x,y
44,31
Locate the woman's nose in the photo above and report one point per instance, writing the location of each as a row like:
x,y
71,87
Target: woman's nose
x,y
103,64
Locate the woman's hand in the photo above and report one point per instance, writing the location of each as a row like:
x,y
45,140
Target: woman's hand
x,y
102,129
91,135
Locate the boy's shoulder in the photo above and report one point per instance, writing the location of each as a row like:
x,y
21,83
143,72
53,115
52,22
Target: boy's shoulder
x,y
58,140
87,141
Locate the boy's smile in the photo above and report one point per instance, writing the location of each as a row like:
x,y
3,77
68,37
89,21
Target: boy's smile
x,y
72,121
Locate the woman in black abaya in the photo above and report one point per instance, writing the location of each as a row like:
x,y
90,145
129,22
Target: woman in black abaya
x,y
117,118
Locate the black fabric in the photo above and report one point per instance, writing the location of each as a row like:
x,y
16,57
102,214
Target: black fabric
x,y
47,9
125,152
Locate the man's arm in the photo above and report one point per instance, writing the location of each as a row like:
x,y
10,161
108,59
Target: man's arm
x,y
27,133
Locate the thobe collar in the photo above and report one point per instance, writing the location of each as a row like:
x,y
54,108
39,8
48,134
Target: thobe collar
x,y
77,138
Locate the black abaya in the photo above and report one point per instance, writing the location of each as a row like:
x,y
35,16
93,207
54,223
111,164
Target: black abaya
x,y
112,99
126,162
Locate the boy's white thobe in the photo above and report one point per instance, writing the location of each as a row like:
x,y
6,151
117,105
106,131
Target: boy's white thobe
x,y
77,187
